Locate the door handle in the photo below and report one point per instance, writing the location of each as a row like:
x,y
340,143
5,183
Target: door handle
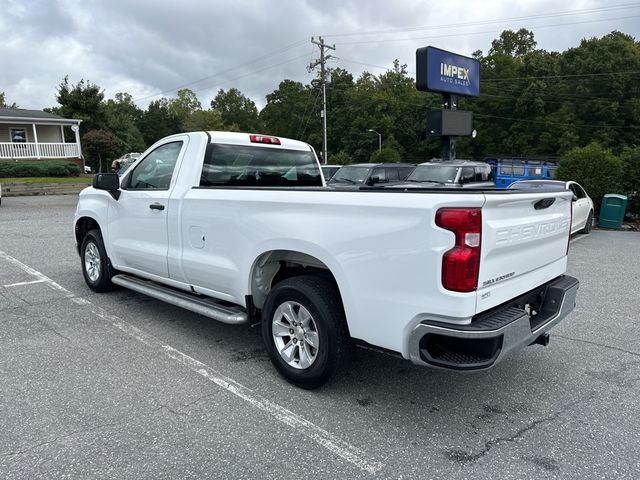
x,y
156,206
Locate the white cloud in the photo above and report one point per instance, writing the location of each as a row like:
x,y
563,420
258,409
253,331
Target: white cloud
x,y
146,47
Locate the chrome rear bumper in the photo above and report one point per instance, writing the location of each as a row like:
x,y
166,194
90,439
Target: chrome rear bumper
x,y
494,334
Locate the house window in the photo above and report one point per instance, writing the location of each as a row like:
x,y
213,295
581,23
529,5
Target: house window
x,y
18,135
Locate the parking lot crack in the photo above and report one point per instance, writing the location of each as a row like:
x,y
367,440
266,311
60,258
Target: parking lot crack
x,y
56,439
463,456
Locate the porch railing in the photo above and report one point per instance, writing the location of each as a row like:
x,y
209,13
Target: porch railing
x,y
38,150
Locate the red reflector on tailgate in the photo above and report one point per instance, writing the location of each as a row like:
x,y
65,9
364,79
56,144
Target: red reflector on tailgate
x,y
264,139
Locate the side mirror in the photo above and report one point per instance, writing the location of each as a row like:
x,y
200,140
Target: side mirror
x,y
574,198
109,182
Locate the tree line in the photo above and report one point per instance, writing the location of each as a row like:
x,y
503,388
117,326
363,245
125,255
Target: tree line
x,y
532,102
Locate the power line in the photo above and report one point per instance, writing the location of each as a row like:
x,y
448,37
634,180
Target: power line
x,y
408,39
585,11
249,62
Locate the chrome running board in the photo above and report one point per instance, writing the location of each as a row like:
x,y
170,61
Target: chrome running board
x,y
201,305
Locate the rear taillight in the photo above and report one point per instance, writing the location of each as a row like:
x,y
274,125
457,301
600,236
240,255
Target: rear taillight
x,y
570,226
264,139
461,264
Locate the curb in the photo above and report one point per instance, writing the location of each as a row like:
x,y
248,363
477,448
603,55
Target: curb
x,y
27,189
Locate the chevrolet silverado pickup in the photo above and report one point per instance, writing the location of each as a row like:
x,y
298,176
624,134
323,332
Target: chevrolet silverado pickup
x,y
243,229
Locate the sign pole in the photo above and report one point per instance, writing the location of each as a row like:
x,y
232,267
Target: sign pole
x,y
450,101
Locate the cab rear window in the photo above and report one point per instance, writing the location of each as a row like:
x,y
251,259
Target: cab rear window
x,y
252,166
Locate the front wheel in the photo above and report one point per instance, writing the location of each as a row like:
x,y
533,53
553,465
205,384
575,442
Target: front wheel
x,y
305,331
95,265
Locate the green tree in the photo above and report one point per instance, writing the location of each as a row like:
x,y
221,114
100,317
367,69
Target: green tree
x,y
83,101
594,167
236,111
204,120
386,155
4,104
158,121
340,158
630,177
184,106
123,116
290,111
99,148
513,44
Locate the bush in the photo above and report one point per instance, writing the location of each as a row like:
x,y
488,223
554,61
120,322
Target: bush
x,y
630,178
386,155
340,158
49,168
597,169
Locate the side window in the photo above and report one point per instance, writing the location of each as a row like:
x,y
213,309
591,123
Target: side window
x,y
484,174
506,169
156,170
535,170
489,174
392,175
467,175
579,192
381,174
518,169
404,172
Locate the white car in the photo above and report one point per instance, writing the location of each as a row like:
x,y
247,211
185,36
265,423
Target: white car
x,y
581,206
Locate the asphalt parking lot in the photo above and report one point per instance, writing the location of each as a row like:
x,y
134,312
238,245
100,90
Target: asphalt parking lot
x,y
122,386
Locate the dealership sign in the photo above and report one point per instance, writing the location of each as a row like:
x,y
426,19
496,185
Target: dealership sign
x,y
446,72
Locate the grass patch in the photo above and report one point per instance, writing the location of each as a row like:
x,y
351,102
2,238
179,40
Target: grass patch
x,y
86,180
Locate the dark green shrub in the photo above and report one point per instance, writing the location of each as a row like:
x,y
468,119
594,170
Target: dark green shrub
x,y
48,168
630,178
386,155
340,158
595,168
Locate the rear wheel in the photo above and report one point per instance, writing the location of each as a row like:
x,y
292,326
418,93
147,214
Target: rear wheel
x,y
588,224
96,268
304,330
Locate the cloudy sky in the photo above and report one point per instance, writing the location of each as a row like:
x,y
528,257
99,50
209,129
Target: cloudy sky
x,y
150,48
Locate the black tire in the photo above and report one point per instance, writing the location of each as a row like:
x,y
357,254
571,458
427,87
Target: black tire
x,y
320,297
589,224
98,278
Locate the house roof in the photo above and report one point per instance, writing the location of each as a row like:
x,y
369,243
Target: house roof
x,y
21,115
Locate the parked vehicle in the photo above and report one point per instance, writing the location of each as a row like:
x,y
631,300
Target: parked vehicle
x,y
581,203
0,194
87,169
510,168
370,174
450,173
329,171
240,228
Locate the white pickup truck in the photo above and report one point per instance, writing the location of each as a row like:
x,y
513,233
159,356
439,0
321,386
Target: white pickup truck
x,y
242,228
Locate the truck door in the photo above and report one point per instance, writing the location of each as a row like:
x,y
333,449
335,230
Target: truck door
x,y
138,219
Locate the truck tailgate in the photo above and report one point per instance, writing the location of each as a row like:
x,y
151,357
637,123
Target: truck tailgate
x,y
524,243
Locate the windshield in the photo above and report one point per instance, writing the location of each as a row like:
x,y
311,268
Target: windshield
x,y
433,173
350,175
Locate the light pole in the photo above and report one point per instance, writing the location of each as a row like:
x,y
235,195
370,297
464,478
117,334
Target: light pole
x,y
379,139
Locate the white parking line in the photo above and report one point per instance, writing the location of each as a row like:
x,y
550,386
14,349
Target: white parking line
x,y
19,284
344,450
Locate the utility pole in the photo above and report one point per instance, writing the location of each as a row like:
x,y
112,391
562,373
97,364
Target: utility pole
x,y
323,78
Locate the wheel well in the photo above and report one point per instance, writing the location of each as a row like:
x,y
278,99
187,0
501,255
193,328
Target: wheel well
x,y
273,267
83,225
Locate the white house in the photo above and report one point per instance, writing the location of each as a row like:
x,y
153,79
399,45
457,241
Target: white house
x,y
34,134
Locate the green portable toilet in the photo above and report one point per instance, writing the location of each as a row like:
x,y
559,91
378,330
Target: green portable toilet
x,y
612,210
